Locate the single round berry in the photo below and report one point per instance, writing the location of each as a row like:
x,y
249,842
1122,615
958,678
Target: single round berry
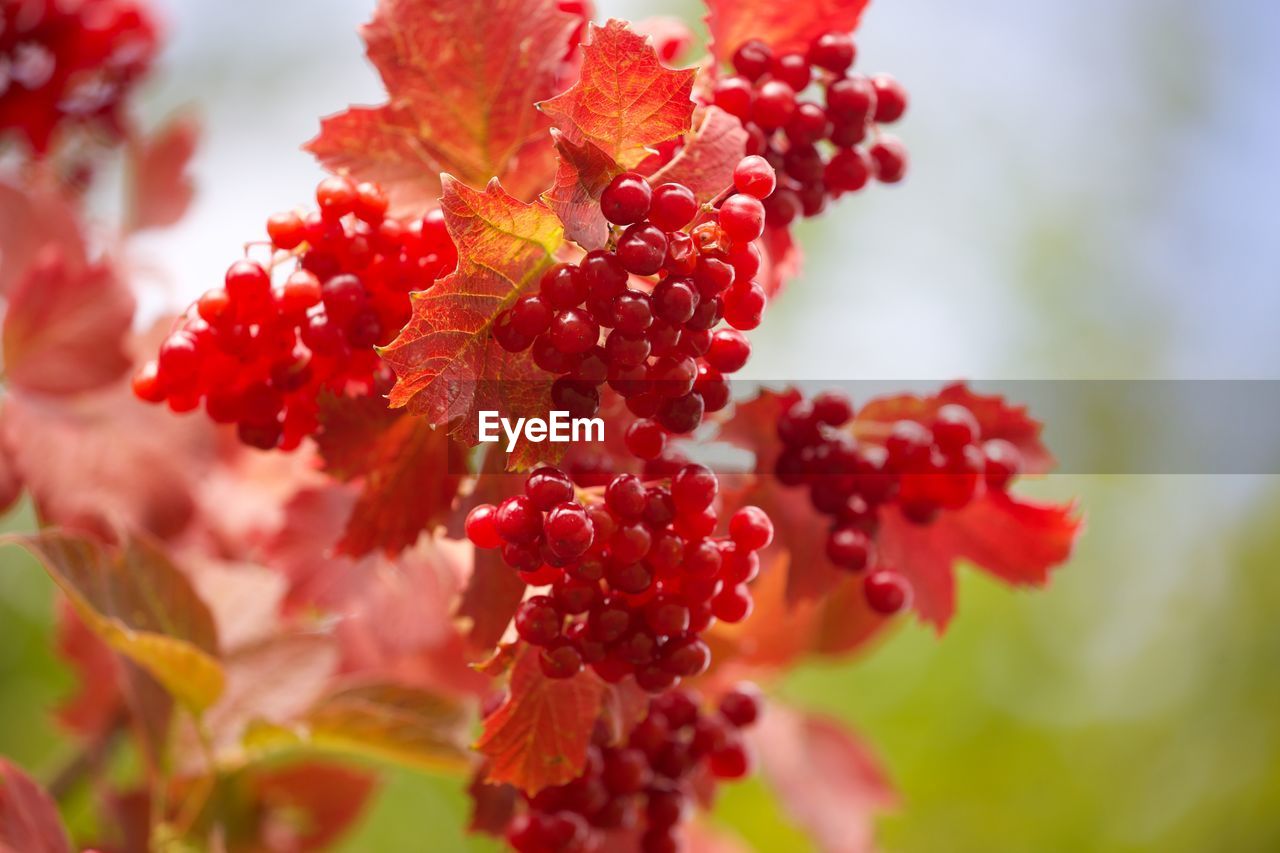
x,y
537,620
560,659
336,197
642,249
568,529
744,305
673,207
626,199
694,488
849,548
774,104
573,331
755,177
729,350
247,283
891,98
734,95
548,487
887,592
518,520
563,286
751,528
752,59
625,496
848,170
851,100
833,51
482,527
646,439
792,69
889,157
742,217
674,300
741,706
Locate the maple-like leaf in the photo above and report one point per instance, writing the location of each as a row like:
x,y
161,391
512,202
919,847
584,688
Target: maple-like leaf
x,y
710,154
409,472
448,367
462,79
66,325
826,780
583,174
625,101
161,187
783,27
138,602
29,821
538,736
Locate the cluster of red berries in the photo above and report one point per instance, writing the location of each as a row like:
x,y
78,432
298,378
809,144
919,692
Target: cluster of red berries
x,y
922,469
70,63
635,574
646,786
261,350
821,151
660,291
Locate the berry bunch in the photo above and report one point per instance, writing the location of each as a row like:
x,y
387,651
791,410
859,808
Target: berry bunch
x,y
922,468
645,786
70,63
262,349
635,573
821,151
672,273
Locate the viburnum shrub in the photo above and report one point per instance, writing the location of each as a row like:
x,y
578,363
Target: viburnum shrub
x,y
310,547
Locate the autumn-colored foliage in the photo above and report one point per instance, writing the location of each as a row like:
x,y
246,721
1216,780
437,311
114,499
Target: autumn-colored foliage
x,y
321,560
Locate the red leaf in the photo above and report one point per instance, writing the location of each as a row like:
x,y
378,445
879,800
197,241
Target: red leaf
x,y
32,217
1017,541
66,324
97,702
538,736
29,821
625,101
826,780
409,472
783,27
307,806
162,188
706,162
584,173
10,477
462,78
492,806
448,367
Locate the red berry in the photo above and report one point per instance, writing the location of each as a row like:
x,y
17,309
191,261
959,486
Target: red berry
x,y
889,157
518,520
734,95
731,762
729,350
674,300
625,496
741,705
247,283
832,409
1003,463
792,69
548,487
833,51
744,305
642,248
751,528
645,439
561,659
336,197
626,199
851,100
891,98
573,331
673,207
482,527
146,384
887,592
286,230
774,104
563,286
848,170
742,217
755,177
568,530
849,548
733,604
753,59
537,620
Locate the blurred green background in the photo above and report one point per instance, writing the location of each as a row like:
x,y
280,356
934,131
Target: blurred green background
x,y
1093,196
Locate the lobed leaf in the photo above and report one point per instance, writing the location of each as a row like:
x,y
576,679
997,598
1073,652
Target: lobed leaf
x,y
138,602
625,100
783,27
448,367
538,736
462,78
581,178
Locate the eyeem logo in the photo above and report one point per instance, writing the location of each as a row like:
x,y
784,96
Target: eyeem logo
x,y
560,427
